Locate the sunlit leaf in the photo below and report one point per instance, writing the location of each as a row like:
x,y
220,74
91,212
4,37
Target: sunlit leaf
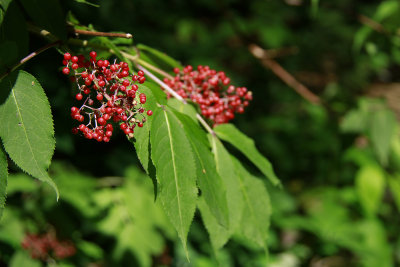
x,y
257,207
172,156
228,132
210,183
370,185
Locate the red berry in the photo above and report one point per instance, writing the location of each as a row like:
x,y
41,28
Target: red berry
x,y
140,124
79,96
149,112
67,56
140,73
101,121
74,59
142,79
65,71
99,97
93,54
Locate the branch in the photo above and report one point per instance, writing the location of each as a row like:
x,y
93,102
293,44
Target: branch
x,y
105,34
285,76
30,56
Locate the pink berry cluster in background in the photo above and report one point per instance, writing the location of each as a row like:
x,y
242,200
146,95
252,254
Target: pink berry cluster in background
x,y
107,92
47,245
212,90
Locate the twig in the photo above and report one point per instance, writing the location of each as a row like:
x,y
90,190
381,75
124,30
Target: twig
x,y
105,34
159,71
205,124
372,24
285,76
30,56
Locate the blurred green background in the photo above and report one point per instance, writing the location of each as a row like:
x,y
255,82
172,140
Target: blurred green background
x,y
339,160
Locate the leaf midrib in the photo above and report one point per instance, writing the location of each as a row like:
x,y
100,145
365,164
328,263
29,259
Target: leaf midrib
x,y
174,166
26,134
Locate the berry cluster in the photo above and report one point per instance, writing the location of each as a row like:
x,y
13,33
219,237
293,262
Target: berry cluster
x,y
108,87
217,98
46,245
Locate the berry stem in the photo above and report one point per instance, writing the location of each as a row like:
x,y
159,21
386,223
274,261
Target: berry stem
x,y
154,68
162,84
30,56
177,96
105,34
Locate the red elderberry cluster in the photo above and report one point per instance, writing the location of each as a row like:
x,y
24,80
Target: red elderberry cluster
x,y
46,245
108,93
217,98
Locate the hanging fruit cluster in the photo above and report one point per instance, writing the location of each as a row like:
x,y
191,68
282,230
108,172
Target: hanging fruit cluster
x,y
107,93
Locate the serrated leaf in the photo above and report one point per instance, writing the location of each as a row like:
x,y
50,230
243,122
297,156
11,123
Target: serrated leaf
x,y
210,182
228,132
219,235
47,14
176,171
370,185
3,180
381,130
226,170
257,207
27,127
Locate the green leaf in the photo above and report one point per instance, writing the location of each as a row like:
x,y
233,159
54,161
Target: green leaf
x,y
187,109
226,170
13,29
159,55
381,130
22,258
210,182
394,186
172,155
48,15
3,180
142,137
370,186
228,132
219,235
257,207
3,8
27,127
87,3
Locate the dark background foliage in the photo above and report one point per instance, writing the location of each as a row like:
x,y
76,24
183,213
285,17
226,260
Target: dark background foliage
x,y
320,218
